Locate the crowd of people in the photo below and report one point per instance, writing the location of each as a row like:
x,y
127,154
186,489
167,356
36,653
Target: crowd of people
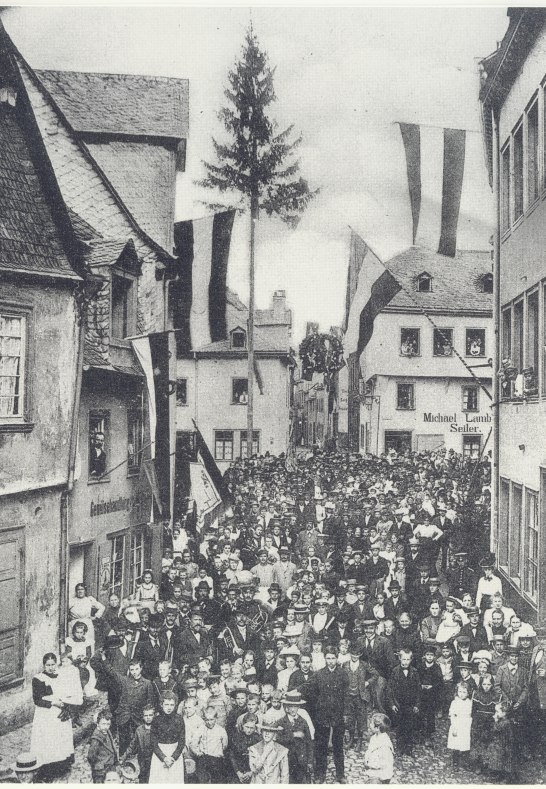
x,y
350,602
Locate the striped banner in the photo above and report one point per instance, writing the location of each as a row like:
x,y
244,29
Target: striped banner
x,y
435,160
202,247
374,288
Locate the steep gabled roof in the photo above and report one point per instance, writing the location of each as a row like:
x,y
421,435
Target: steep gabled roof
x,y
120,104
456,282
30,238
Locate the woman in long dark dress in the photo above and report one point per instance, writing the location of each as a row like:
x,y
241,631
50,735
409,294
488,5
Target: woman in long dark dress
x,y
168,737
52,740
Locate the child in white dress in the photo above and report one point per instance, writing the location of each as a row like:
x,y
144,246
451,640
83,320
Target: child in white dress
x,y
460,716
379,757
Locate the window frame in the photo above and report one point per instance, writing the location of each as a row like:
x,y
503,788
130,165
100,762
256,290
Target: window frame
x,y
488,278
412,407
113,562
515,535
103,415
136,414
22,421
466,344
135,563
532,163
241,332
255,442
472,388
506,186
225,442
233,382
531,563
417,331
442,329
131,304
421,279
468,439
518,178
179,402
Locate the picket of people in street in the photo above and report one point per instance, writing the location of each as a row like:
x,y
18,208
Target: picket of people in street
x,y
346,604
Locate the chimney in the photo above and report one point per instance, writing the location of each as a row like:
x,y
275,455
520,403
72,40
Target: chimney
x,y
279,306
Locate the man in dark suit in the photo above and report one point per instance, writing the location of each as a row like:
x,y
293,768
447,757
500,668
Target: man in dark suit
x,y
475,631
446,526
376,570
194,641
397,603
361,678
378,652
239,637
369,520
341,627
363,608
404,696
329,688
152,648
266,668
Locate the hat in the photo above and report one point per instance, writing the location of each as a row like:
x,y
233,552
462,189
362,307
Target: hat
x,y
486,563
293,697
473,611
238,689
355,649
394,585
527,631
301,608
454,600
414,540
351,581
512,650
212,678
274,587
429,646
130,769
434,580
26,762
191,682
269,727
262,552
369,622
498,638
203,585
481,654
465,664
465,640
284,549
290,651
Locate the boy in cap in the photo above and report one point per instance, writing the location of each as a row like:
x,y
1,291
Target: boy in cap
x,y
268,760
432,684
296,737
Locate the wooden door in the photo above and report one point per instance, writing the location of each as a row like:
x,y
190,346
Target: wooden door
x,y
11,605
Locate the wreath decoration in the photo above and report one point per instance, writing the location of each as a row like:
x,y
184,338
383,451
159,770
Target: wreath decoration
x,y
321,353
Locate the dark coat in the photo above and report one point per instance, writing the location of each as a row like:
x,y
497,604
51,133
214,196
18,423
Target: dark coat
x,y
404,692
189,649
365,673
329,689
381,657
478,641
102,754
150,655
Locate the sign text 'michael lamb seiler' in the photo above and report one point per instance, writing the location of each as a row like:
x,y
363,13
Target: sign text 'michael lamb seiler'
x,y
470,421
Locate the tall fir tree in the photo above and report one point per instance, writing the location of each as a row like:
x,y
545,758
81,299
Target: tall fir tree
x,y
255,169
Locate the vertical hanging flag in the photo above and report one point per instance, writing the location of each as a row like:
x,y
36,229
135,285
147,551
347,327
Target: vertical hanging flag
x,y
375,289
202,247
435,159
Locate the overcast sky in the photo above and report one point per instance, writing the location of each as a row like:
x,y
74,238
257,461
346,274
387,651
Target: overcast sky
x,y
343,77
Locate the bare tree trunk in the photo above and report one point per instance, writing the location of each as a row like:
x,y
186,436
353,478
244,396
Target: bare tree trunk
x,y
250,333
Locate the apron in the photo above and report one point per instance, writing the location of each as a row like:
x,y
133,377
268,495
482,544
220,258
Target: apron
x,y
160,774
51,739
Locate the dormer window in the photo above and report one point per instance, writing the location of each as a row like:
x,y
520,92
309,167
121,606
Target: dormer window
x,y
424,283
238,339
487,283
123,305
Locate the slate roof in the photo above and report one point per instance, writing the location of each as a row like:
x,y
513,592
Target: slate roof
x,y
93,358
29,237
120,103
456,282
261,345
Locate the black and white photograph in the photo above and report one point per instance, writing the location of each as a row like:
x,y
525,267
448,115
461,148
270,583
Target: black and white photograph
x,y
272,394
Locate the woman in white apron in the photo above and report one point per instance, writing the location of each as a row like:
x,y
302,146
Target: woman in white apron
x,y
147,593
86,609
168,738
51,740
